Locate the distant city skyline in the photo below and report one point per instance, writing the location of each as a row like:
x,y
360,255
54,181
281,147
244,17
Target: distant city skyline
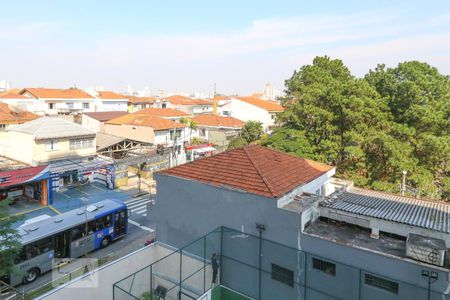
x,y
190,46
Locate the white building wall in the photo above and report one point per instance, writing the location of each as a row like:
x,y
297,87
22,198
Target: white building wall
x,y
111,105
246,112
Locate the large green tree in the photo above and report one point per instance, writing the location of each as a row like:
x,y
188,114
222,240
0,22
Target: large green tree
x,y
252,131
372,128
9,239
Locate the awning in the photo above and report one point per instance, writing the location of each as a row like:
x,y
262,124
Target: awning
x,y
82,166
204,150
20,176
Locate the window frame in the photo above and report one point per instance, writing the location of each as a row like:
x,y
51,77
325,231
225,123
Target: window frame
x,y
324,266
381,283
282,275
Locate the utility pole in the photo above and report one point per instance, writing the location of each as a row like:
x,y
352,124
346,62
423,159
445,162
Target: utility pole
x,y
261,228
431,277
215,101
403,186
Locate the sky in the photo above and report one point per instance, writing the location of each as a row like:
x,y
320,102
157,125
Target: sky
x,y
188,46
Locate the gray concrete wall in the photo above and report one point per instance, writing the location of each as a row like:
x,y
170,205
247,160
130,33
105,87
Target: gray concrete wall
x,y
186,210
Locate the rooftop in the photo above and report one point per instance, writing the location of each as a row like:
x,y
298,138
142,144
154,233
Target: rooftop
x,y
46,93
104,116
108,95
270,106
162,112
218,121
141,100
9,95
12,115
182,100
254,169
137,119
50,127
431,215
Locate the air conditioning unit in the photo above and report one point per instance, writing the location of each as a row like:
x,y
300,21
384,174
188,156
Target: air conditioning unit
x,y
426,249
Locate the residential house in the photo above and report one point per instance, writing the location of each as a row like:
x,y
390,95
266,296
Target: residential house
x,y
149,127
218,130
138,103
167,113
110,101
96,120
60,101
11,116
255,109
186,104
22,102
68,148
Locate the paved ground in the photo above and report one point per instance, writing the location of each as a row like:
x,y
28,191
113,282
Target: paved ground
x,y
138,230
80,196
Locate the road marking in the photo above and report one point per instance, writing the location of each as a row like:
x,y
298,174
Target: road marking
x,y
62,193
139,204
140,211
54,209
28,211
140,226
78,189
134,200
145,214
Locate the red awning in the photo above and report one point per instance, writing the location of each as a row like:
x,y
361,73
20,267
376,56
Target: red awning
x,y
20,176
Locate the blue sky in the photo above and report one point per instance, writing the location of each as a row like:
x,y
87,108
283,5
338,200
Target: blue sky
x,y
190,45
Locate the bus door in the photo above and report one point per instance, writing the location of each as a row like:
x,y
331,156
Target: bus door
x,y
62,244
119,223
81,243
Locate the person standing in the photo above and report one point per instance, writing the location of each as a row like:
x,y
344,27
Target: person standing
x,y
215,267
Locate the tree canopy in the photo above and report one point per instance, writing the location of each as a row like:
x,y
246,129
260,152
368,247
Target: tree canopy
x,y
371,128
252,131
9,239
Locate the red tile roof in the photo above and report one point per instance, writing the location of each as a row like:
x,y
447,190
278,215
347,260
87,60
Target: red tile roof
x,y
162,112
155,122
9,95
104,116
57,93
254,169
182,100
270,106
108,95
141,100
218,121
11,115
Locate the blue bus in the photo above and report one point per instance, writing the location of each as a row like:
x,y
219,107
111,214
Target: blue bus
x,y
68,235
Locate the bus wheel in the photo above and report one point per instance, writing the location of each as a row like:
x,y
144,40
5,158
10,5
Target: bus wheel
x,y
105,242
32,274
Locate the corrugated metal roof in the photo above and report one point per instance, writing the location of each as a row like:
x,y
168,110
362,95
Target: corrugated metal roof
x,y
411,211
50,128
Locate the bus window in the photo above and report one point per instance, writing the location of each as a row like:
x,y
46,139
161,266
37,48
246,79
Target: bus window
x,y
78,232
34,249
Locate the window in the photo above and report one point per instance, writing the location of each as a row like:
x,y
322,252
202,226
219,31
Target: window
x,y
283,275
85,105
2,126
75,144
202,132
70,105
226,113
324,266
51,106
35,249
78,232
178,134
51,145
381,283
164,105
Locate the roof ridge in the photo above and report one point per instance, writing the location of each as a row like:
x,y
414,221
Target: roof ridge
x,y
266,182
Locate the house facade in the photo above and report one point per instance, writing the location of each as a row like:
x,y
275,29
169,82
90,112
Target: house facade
x,y
109,101
11,116
138,103
60,101
251,109
186,104
96,120
217,130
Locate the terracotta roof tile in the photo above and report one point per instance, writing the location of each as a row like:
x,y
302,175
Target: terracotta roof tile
x,y
11,115
254,169
162,112
155,122
108,95
141,100
182,100
218,121
57,93
8,95
104,116
270,106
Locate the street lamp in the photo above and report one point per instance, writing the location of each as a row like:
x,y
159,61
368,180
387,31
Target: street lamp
x,y
431,276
